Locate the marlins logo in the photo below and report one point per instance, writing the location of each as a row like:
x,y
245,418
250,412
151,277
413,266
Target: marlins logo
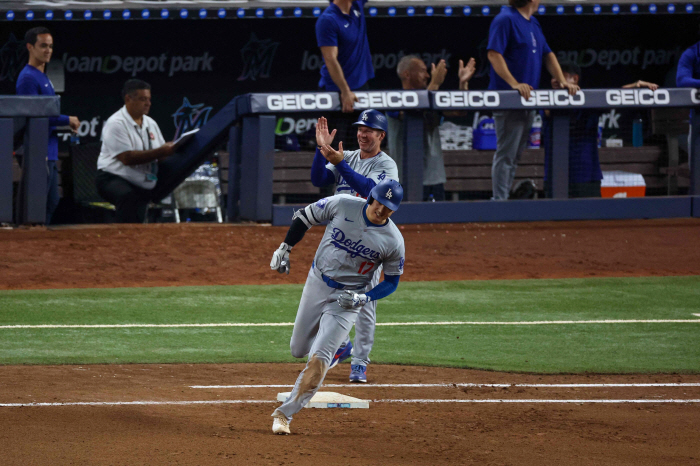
x,y
189,117
257,58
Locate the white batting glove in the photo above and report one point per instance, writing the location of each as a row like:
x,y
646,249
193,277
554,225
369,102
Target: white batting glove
x,y
351,300
280,259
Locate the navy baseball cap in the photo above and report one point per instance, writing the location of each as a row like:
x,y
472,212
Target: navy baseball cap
x,y
372,119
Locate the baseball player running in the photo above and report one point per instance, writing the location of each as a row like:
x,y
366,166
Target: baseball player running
x,y
358,239
355,173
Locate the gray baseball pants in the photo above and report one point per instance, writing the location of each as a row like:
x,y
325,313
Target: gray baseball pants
x,y
364,328
320,327
512,135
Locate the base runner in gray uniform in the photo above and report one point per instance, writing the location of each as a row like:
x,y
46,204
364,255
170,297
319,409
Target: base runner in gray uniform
x,y
358,239
355,173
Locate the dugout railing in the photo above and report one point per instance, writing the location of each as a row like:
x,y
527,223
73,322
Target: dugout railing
x,y
247,126
24,121
251,153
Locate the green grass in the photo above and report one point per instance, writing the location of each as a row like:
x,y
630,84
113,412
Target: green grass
x,y
644,347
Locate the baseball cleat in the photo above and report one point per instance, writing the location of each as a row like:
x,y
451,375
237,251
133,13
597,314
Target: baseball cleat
x,y
341,355
280,425
358,373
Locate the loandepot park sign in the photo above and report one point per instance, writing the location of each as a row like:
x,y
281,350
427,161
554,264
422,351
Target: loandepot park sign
x,y
475,100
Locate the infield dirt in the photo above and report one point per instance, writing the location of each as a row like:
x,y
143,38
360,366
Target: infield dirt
x,y
387,433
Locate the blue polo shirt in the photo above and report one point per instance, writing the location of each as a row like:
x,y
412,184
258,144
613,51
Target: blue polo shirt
x,y
349,34
521,43
31,81
584,164
688,74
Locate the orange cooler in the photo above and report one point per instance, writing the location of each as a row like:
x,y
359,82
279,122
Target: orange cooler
x,y
622,184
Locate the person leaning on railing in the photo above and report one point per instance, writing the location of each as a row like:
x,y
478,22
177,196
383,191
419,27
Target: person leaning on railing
x,y
32,80
585,174
688,75
516,50
341,34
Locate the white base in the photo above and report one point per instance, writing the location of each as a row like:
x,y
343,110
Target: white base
x,y
329,400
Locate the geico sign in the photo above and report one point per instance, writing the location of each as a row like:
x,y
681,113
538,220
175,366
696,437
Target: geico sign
x,y
637,97
695,96
559,98
300,101
446,99
391,99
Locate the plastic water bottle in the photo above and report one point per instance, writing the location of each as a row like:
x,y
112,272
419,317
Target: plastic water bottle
x,y
637,133
431,198
535,132
600,133
74,139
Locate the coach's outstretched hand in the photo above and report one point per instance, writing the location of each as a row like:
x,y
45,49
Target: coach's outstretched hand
x,y
280,259
323,137
351,300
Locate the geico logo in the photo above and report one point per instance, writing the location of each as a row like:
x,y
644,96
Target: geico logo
x,y
695,96
467,99
391,99
637,97
559,97
300,101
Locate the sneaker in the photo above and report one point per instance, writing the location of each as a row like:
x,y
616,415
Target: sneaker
x,y
358,373
341,355
280,425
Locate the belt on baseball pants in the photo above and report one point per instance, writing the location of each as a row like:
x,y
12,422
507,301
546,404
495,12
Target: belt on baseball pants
x,y
332,283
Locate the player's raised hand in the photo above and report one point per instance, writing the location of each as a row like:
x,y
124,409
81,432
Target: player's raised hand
x,y
351,300
280,259
466,73
323,137
333,156
437,75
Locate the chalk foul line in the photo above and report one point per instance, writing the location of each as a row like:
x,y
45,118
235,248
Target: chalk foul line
x,y
468,385
379,324
417,401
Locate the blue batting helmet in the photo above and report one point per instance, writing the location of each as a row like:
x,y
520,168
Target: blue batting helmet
x,y
388,193
372,119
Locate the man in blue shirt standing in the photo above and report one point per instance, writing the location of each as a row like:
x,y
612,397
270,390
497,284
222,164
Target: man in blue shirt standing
x,y
516,49
341,34
32,80
688,75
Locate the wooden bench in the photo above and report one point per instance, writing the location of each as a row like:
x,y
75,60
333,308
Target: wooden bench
x,y
672,123
469,171
292,175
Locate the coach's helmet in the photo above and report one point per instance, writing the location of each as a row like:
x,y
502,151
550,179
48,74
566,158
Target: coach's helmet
x,y
387,192
372,119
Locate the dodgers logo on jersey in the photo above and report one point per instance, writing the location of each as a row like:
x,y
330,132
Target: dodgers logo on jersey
x,y
401,265
354,248
322,203
382,176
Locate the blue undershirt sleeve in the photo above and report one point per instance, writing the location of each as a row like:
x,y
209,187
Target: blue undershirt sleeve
x,y
385,288
361,184
320,175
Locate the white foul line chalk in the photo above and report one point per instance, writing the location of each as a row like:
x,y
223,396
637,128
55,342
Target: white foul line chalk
x,y
380,324
221,402
476,385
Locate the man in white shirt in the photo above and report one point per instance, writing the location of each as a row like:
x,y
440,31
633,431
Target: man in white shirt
x,y
132,145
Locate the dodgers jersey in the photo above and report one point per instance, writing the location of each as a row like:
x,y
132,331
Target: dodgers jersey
x,y
377,168
352,248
